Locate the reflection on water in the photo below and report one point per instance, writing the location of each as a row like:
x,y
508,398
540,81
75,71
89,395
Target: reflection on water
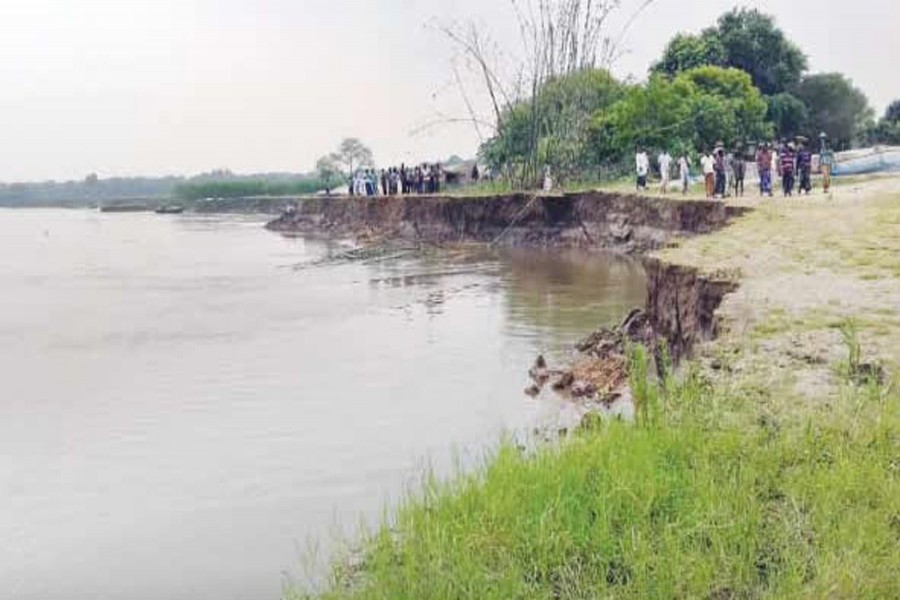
x,y
182,410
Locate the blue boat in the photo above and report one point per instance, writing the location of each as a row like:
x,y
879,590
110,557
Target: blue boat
x,y
880,159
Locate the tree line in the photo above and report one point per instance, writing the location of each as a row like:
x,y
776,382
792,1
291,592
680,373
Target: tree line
x,y
738,82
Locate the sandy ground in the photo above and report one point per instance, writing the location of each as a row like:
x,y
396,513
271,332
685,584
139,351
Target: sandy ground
x,y
806,267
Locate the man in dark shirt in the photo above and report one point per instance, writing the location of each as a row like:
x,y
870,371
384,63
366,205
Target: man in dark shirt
x,y
739,168
764,166
787,165
719,167
804,168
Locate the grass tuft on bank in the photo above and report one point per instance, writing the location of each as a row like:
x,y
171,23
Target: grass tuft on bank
x,y
707,495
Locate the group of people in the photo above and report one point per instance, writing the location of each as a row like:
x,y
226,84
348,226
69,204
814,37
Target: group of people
x,y
792,162
421,179
724,172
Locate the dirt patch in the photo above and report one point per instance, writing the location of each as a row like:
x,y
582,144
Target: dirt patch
x,y
807,266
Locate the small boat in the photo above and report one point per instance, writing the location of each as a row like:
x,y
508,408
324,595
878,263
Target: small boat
x,y
170,210
880,159
125,208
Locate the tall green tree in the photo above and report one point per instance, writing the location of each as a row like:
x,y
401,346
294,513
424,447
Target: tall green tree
x,y
835,107
753,43
728,107
892,114
686,52
745,39
553,127
695,110
788,114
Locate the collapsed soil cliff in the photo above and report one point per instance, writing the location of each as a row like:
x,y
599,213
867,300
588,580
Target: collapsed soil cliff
x,y
682,305
589,220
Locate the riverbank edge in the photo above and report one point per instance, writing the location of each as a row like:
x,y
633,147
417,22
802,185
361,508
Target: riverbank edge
x,y
690,438
681,302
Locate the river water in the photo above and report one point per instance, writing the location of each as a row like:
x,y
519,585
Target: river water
x,y
186,414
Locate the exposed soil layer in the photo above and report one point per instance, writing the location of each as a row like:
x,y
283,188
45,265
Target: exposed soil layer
x,y
682,304
590,220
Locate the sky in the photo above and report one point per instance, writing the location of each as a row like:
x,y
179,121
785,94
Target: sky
x,y
158,87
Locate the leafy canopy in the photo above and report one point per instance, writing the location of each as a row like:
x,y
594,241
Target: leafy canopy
x,y
696,109
745,39
835,107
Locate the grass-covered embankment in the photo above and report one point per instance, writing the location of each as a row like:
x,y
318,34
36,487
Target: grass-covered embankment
x,y
769,469
701,498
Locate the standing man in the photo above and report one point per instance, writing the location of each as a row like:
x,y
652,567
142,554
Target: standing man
x,y
719,169
684,172
804,168
764,166
707,163
826,160
665,166
739,168
642,164
788,164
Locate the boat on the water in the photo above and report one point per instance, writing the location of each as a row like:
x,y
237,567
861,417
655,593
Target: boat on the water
x,y
170,210
125,208
880,159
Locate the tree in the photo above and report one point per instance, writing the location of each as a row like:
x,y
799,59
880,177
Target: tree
x,y
558,39
728,107
557,121
91,179
835,107
697,109
892,114
745,39
753,43
353,155
788,115
686,52
329,171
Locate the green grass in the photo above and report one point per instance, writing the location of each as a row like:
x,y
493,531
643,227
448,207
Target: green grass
x,y
706,495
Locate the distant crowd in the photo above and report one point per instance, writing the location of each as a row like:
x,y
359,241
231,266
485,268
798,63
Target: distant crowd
x,y
724,171
421,179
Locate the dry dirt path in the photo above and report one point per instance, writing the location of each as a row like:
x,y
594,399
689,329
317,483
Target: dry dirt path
x,y
806,267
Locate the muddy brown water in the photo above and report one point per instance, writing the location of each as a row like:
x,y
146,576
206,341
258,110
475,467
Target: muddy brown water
x,y
186,416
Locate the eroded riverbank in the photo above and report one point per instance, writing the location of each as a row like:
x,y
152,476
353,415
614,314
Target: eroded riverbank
x,y
681,303
738,479
590,220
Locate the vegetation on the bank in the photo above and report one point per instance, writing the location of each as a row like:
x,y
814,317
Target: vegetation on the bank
x,y
707,495
739,81
245,188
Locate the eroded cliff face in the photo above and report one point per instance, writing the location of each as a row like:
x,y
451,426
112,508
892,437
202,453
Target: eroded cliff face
x,y
682,305
592,220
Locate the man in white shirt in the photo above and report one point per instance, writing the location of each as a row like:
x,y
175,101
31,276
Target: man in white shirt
x,y
642,162
665,165
708,163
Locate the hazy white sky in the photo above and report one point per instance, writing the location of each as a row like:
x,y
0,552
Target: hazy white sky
x,y
125,87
